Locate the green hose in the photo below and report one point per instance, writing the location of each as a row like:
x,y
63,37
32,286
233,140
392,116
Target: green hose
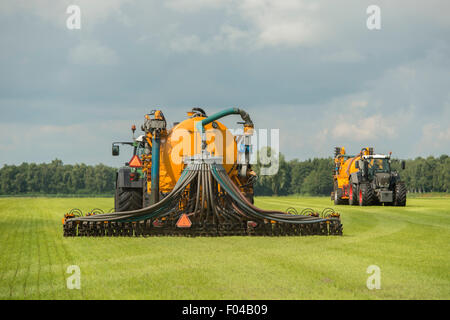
x,y
244,115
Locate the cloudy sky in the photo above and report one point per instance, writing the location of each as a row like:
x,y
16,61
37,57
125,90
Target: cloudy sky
x,y
310,68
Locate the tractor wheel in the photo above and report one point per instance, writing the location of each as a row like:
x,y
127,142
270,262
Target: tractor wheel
x,y
128,199
353,195
365,194
338,192
400,194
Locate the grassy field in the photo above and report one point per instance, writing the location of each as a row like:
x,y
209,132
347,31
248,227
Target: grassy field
x,y
410,245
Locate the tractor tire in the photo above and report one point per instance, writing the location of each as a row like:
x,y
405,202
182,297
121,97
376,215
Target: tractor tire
x,y
400,194
338,192
127,199
366,194
353,194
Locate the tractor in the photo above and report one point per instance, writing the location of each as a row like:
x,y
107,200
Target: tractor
x,y
130,179
366,179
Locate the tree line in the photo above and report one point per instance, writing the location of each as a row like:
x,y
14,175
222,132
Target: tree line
x,y
311,177
57,178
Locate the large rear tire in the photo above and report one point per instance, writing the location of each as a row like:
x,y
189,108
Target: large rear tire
x,y
353,194
127,199
365,194
338,193
400,194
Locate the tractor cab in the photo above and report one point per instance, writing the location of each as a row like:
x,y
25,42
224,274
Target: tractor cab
x,y
138,146
378,164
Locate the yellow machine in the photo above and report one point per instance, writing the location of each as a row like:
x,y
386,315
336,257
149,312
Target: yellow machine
x,y
193,179
366,179
162,151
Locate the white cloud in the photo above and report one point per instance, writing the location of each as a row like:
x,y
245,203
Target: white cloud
x,y
261,23
434,136
195,5
92,12
344,56
92,53
285,23
228,38
369,128
359,103
298,23
321,138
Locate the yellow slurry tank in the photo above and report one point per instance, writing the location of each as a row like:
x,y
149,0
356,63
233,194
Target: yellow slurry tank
x,y
183,140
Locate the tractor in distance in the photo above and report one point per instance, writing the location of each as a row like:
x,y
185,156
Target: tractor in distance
x,y
366,179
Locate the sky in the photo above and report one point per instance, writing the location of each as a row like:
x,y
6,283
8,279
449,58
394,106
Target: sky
x,y
311,69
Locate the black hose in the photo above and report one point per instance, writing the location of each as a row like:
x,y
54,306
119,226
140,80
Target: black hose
x,y
228,205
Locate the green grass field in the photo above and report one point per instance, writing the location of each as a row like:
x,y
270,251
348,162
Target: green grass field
x,y
410,245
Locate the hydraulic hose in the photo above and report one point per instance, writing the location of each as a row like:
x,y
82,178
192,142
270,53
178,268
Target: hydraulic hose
x,y
156,141
206,176
281,217
244,115
185,179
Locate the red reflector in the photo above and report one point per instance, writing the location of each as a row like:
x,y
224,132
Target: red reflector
x,y
184,221
135,162
252,224
158,223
